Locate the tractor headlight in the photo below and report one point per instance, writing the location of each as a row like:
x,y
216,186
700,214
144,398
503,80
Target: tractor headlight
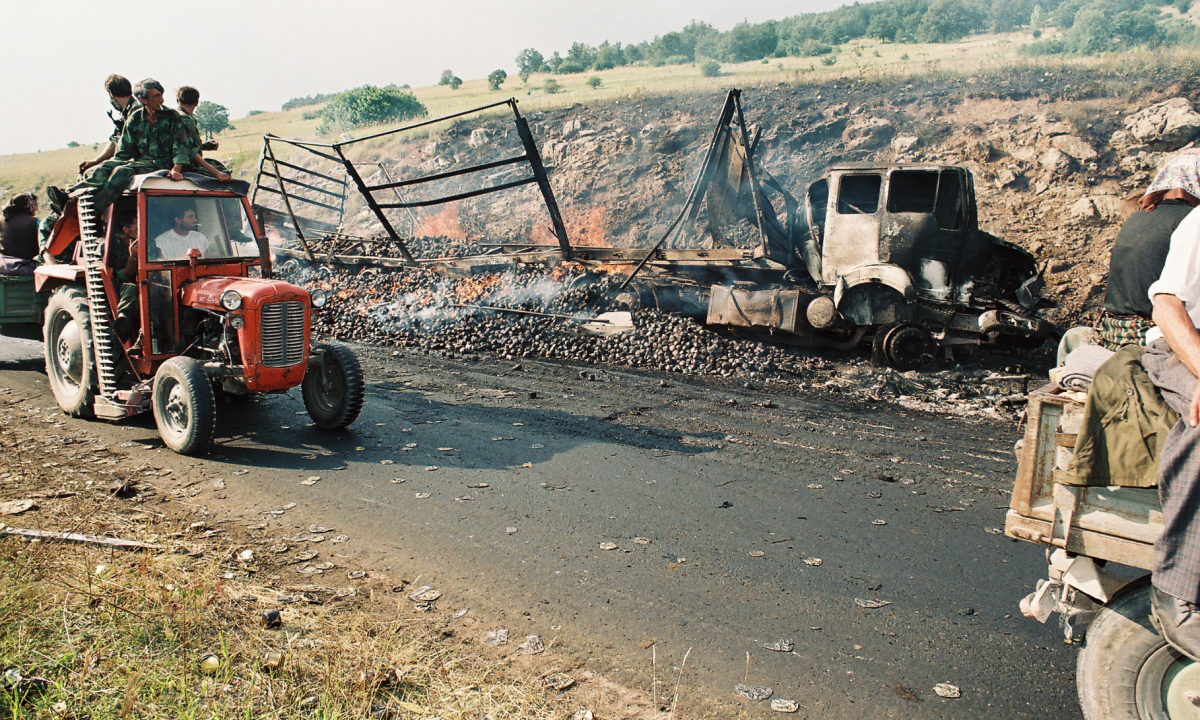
x,y
231,300
319,298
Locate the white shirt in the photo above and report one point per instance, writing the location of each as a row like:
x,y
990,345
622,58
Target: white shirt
x,y
173,246
1181,274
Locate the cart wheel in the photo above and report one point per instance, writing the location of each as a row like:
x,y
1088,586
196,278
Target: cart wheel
x,y
185,408
1127,671
70,365
333,391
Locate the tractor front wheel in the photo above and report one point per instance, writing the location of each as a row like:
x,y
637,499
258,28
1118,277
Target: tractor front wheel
x,y
334,388
185,408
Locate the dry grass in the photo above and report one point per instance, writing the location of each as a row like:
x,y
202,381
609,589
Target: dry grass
x,y
858,61
122,635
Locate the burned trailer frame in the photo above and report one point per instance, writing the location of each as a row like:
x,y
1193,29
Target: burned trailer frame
x,y
336,247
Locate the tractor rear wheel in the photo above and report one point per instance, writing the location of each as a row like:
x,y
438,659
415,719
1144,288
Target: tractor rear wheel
x,y
333,391
185,408
70,364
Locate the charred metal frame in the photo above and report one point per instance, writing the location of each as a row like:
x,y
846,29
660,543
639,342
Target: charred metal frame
x,y
371,193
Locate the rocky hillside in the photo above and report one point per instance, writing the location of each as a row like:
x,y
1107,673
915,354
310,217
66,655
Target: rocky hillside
x,y
1055,154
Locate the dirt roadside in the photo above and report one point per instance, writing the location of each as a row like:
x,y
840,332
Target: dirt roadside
x,y
212,616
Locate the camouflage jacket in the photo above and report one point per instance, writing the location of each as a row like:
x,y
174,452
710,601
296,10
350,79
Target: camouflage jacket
x,y
119,117
191,133
164,143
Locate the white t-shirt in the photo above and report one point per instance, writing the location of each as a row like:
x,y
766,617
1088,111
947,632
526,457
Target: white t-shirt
x,y
1181,274
173,246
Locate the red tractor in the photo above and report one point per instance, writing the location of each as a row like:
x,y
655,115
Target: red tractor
x,y
208,317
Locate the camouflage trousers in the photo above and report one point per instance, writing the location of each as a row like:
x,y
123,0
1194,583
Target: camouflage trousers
x,y
217,165
128,310
110,178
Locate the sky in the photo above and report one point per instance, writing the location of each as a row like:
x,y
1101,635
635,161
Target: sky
x,y
257,54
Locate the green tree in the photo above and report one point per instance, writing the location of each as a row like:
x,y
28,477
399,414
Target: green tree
x,y
496,79
529,61
455,82
369,105
211,117
947,21
446,78
594,82
1037,21
608,56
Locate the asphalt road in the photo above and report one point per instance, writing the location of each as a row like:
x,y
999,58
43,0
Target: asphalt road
x,y
714,500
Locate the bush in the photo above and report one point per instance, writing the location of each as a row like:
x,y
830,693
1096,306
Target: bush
x,y
455,82
828,60
252,113
311,114
594,82
570,67
72,144
710,68
814,48
369,105
551,86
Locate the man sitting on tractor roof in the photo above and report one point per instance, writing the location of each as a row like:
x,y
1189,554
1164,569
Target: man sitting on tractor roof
x,y
187,98
152,139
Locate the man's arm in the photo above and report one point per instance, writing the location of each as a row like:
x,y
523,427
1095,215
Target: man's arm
x,y
198,159
1172,318
110,149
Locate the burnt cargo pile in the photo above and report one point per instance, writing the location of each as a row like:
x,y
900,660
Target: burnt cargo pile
x,y
460,319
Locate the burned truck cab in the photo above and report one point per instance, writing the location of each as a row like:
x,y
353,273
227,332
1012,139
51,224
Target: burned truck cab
x,y
897,249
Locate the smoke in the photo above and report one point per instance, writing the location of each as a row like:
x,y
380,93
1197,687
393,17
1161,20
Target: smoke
x,y
426,309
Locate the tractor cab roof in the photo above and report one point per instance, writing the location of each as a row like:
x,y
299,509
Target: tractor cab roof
x,y
191,183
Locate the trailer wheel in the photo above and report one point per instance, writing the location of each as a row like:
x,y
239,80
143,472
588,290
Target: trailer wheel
x,y
1127,671
70,364
333,391
185,408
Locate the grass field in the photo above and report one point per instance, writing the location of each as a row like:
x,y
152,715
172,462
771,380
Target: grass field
x,y
861,61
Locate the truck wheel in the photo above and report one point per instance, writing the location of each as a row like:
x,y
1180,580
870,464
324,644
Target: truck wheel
x,y
1127,671
333,392
70,365
185,409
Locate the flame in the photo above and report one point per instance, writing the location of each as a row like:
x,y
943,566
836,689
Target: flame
x,y
443,224
584,229
468,290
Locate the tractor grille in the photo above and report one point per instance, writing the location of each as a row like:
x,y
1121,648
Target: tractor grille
x,y
283,341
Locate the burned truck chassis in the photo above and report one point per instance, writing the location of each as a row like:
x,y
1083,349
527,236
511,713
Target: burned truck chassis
x,y
906,267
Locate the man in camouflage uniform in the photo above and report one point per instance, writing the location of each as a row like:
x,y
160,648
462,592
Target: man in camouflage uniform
x,y
122,258
120,96
187,98
151,140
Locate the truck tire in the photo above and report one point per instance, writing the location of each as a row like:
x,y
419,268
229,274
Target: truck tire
x,y
70,364
185,408
334,397
1126,670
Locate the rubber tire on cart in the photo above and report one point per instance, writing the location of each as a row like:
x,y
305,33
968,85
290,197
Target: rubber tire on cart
x,y
1126,670
70,364
185,408
333,392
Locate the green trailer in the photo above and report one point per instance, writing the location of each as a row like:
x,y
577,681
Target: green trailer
x,y
21,308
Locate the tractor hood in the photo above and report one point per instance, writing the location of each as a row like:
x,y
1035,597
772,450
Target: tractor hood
x,y
206,292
